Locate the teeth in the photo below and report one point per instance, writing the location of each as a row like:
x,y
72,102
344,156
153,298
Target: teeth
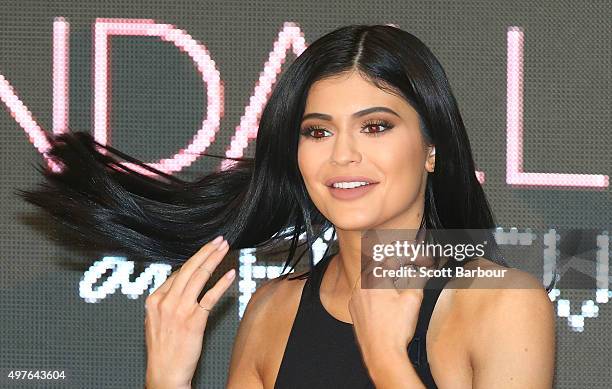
x,y
349,185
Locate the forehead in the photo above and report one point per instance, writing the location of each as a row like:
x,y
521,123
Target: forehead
x,y
350,93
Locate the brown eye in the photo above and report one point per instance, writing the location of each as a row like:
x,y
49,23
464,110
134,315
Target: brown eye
x,y
314,132
318,131
377,123
374,126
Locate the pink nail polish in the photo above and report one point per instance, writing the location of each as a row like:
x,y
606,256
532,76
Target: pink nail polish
x,y
222,246
218,239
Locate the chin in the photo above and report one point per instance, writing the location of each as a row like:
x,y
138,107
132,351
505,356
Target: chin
x,y
352,224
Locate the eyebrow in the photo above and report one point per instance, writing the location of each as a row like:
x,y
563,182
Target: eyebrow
x,y
357,114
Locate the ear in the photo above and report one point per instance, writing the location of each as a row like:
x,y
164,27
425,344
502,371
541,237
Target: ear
x,y
430,162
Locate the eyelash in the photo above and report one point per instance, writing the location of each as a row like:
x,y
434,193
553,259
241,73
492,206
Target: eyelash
x,y
383,123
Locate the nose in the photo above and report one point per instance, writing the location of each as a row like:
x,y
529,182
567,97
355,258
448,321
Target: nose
x,y
345,149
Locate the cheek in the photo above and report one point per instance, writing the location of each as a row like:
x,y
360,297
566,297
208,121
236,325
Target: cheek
x,y
311,162
402,165
308,165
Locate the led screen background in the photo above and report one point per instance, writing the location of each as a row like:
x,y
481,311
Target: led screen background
x,y
532,83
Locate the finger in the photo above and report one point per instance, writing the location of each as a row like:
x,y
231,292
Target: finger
x,y
384,281
365,278
187,269
210,298
417,279
202,274
388,274
165,286
374,275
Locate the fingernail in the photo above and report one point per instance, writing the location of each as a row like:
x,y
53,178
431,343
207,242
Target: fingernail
x,y
231,274
218,239
222,246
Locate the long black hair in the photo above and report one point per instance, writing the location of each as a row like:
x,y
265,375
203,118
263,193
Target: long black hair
x,y
261,201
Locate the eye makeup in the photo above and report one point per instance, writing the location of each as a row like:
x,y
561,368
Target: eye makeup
x,y
307,131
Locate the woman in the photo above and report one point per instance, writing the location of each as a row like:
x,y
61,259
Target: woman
x,y
363,104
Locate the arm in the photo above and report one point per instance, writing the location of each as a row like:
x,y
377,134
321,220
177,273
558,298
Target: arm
x,y
249,344
394,370
514,340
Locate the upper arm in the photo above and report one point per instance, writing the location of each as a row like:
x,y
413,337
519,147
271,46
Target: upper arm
x,y
513,345
245,363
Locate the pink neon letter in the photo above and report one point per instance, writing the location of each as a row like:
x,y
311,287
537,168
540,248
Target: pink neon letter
x,y
514,130
22,114
61,46
204,63
289,36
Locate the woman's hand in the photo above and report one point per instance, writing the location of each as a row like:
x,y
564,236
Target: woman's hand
x,y
384,319
175,320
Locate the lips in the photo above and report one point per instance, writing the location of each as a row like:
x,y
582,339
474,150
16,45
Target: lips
x,y
331,181
351,193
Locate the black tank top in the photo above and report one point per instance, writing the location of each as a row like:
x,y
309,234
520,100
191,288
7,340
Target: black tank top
x,y
323,352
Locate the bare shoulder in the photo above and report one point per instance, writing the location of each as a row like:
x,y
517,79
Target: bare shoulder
x,y
501,288
484,283
273,294
511,324
482,273
268,314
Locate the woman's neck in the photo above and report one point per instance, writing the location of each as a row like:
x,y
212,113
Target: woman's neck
x,y
345,267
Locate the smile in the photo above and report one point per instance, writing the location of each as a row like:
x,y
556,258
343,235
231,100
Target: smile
x,y
350,190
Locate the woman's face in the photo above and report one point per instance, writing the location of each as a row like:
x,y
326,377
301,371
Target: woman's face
x,y
380,146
